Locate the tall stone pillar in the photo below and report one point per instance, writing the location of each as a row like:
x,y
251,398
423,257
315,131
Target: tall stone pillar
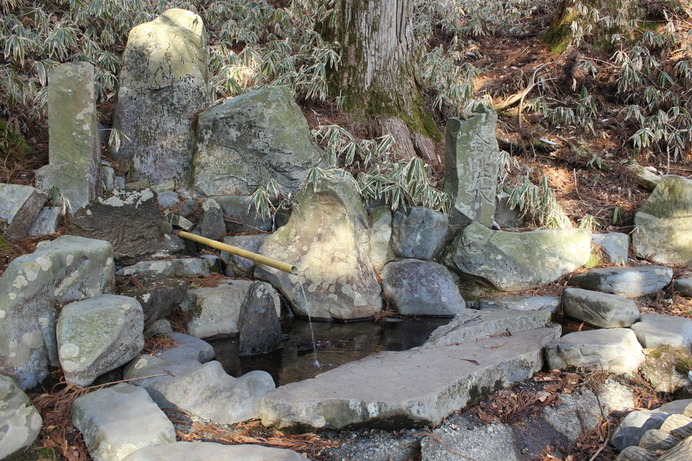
x,y
472,163
74,148
163,83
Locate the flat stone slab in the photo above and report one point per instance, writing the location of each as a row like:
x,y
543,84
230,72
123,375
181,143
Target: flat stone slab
x,y
630,282
657,329
615,349
601,309
470,325
401,389
520,302
205,451
118,420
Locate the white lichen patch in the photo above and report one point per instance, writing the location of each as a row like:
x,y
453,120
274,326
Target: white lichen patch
x,y
146,297
12,296
20,282
69,351
4,313
69,259
45,262
30,274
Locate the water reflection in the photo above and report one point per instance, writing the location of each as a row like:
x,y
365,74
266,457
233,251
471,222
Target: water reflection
x,y
336,344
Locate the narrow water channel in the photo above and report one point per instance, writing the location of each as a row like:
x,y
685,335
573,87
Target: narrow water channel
x,y
336,344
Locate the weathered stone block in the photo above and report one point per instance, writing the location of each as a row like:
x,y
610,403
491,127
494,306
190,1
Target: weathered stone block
x,y
327,239
18,208
163,83
74,144
662,225
472,161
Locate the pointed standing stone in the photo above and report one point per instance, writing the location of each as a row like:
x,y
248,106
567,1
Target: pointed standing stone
x,y
472,163
74,146
163,83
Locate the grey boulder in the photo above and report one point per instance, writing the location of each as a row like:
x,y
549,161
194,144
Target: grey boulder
x,y
630,282
66,269
513,261
328,240
600,309
616,350
244,141
662,225
424,288
118,420
163,83
204,390
418,232
21,422
658,329
98,335
19,207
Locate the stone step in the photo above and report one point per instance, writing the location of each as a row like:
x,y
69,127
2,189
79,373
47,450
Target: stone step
x,y
401,389
471,325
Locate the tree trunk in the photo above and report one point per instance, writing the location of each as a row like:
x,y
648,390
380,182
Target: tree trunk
x,y
377,77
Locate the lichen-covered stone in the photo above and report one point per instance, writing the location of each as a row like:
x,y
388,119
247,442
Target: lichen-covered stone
x,y
21,422
245,141
64,270
74,145
472,162
662,225
327,239
163,83
513,261
98,335
118,420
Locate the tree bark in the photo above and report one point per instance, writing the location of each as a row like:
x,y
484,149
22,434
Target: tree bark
x,y
377,77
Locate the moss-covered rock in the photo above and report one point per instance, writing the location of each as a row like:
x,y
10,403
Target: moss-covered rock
x,y
245,141
328,240
663,224
511,261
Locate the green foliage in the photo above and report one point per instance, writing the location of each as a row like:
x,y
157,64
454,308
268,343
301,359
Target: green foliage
x,y
537,203
378,172
267,199
652,74
402,184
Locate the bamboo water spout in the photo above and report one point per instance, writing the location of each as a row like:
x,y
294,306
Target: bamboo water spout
x,y
259,259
